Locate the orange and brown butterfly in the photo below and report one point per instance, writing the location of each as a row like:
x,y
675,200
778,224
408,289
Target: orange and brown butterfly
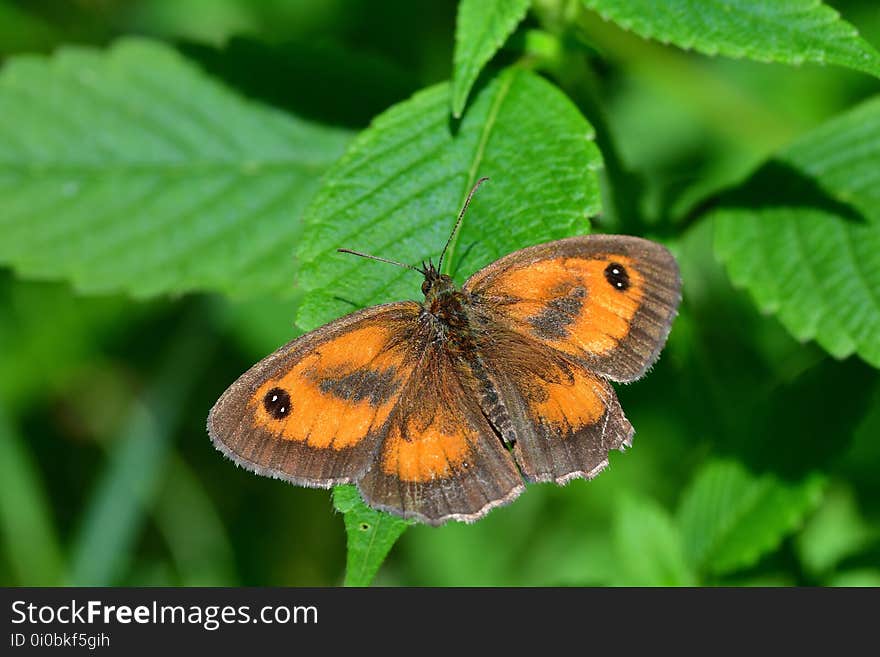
x,y
442,409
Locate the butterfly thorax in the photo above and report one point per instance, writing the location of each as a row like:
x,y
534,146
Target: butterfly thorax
x,y
448,309
444,303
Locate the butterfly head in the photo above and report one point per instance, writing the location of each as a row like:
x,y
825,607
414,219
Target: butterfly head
x,y
435,283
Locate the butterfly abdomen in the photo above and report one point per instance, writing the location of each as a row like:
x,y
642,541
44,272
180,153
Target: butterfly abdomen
x,y
494,409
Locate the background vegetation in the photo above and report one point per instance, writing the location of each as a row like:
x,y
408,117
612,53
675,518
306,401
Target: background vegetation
x,y
176,174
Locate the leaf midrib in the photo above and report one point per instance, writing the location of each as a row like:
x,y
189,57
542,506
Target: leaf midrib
x,y
491,119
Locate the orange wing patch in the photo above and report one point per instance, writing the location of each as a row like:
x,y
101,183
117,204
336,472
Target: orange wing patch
x,y
337,394
427,451
576,305
568,404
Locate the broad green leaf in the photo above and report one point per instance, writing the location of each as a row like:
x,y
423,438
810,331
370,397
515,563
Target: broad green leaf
x,y
397,191
371,534
649,545
729,517
787,31
481,29
130,169
803,235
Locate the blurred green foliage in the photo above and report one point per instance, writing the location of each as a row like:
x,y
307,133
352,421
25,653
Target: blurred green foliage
x,y
167,201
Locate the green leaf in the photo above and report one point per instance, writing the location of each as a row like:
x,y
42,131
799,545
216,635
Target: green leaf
x,y
787,31
371,534
729,517
130,169
397,190
481,29
803,235
649,545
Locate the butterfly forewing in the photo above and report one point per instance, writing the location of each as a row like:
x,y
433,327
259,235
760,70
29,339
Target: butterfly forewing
x,y
607,300
315,411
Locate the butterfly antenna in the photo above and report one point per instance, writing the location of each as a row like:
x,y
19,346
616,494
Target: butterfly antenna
x,y
372,257
467,202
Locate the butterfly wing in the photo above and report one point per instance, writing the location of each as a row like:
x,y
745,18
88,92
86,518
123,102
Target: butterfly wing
x,y
313,412
605,300
369,399
556,322
562,418
440,459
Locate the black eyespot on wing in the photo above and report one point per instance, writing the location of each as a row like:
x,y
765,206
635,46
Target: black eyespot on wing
x,y
277,403
617,276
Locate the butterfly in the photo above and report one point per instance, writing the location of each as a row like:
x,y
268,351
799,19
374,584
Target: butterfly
x,y
442,410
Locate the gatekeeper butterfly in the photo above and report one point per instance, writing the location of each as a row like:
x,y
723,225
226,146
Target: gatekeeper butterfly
x,y
440,410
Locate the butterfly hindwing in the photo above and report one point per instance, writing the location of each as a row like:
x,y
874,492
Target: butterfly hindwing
x,y
440,459
564,419
606,300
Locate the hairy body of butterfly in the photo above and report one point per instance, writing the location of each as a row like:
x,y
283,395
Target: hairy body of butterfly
x,y
442,409
451,324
